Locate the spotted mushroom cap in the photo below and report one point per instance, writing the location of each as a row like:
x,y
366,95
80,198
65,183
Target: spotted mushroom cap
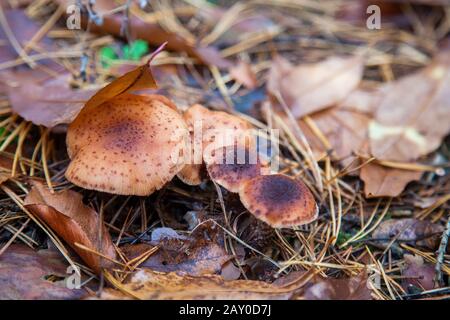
x,y
130,145
279,200
233,165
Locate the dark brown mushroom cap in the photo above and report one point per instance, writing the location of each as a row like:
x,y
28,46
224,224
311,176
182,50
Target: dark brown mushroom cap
x,y
130,145
233,165
279,200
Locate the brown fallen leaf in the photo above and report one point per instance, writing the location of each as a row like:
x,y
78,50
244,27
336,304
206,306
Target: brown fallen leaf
x,y
422,232
353,288
23,28
308,88
417,273
412,117
48,103
243,74
380,181
198,254
65,213
23,273
345,131
147,284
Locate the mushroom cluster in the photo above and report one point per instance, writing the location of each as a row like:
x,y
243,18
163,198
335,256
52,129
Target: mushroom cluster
x,y
228,151
130,144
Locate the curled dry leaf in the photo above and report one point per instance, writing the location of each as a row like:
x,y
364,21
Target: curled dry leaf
x,y
309,88
380,181
67,216
54,102
412,117
417,273
410,230
23,273
136,79
147,284
198,254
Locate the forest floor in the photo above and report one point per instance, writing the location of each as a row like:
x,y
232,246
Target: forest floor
x,y
362,116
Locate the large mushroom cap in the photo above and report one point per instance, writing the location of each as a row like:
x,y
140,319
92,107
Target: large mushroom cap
x,y
279,200
233,165
130,145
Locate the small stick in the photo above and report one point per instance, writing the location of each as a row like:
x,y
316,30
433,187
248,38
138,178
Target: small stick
x,y
441,252
125,26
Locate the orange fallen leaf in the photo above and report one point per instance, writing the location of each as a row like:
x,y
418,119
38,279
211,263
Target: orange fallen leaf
x,y
308,88
380,181
65,213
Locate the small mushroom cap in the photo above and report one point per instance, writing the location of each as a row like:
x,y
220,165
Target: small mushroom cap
x,y
233,165
130,145
279,200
